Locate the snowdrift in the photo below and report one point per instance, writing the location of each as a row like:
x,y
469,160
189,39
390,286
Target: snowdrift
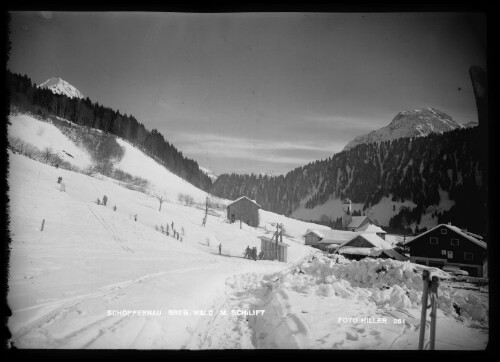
x,y
384,282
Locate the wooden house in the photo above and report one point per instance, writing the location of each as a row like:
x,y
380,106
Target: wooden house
x,y
446,244
273,249
366,244
323,239
245,210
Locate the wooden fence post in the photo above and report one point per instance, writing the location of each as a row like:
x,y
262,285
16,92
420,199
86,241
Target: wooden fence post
x,y
433,314
423,315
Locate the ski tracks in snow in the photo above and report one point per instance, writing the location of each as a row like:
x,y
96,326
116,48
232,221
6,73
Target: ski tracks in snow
x,y
81,321
278,327
227,330
106,227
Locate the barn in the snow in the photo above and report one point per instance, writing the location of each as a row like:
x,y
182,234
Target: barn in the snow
x,y
245,210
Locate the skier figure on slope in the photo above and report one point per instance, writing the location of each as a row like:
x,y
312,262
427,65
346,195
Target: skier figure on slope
x,y
254,253
220,248
104,200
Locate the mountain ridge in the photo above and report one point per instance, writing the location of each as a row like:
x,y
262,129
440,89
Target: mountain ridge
x,y
406,124
60,86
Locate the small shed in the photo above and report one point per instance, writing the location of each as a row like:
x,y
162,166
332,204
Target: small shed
x,y
268,246
245,210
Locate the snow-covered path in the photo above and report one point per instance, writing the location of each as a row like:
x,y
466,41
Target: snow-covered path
x,y
79,322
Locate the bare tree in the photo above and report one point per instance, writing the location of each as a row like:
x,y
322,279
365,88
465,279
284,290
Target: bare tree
x,y
47,154
160,198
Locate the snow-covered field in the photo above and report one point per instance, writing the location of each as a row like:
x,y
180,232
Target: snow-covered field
x,y
96,278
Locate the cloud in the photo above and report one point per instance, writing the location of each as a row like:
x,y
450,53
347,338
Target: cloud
x,y
227,147
350,122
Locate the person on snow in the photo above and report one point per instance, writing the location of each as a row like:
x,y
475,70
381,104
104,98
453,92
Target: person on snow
x,y
220,248
247,252
104,200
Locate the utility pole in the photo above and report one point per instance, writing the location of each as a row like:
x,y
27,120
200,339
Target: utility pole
x,y
277,233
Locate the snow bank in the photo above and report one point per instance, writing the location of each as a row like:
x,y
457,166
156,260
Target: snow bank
x,y
384,282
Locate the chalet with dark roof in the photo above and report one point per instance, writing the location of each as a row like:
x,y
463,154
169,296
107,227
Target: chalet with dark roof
x,y
446,244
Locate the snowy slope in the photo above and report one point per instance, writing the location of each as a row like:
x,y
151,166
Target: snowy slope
x,y
42,135
416,123
163,181
60,86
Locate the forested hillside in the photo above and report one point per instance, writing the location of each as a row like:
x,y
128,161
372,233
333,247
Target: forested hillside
x,y
408,169
25,96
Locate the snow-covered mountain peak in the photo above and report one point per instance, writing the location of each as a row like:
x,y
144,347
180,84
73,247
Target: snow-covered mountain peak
x,y
416,123
60,86
208,172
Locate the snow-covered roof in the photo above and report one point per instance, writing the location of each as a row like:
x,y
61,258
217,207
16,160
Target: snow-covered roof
x,y
318,233
455,229
479,237
332,236
355,250
243,197
370,228
372,238
337,236
356,221
390,252
376,241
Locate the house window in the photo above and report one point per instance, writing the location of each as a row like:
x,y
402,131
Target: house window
x,y
454,242
444,231
450,254
434,241
443,252
468,256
